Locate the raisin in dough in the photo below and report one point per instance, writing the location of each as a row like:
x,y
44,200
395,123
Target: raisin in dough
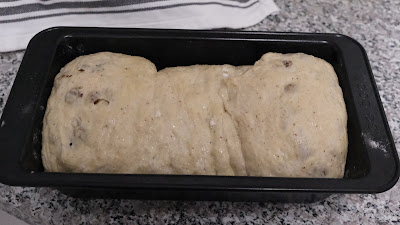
x,y
290,115
112,113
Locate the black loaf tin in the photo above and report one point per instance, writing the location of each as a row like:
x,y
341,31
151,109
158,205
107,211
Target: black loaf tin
x,y
372,161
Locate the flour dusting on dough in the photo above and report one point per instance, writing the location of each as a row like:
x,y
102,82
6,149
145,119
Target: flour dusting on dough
x,y
158,114
212,122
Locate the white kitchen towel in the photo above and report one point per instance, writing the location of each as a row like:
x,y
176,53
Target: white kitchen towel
x,y
20,20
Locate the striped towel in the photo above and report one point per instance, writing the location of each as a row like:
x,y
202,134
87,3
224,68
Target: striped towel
x,y
20,20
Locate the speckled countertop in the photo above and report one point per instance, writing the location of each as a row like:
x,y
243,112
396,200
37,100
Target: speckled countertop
x,y
375,24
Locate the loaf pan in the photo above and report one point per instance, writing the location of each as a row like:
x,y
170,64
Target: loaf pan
x,y
372,163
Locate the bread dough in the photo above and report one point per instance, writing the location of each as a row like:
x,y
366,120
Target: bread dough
x,y
290,115
93,113
113,113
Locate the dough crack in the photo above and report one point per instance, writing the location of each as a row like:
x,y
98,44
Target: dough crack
x,y
238,138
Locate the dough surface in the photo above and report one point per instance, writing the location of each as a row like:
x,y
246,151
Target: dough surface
x,y
113,113
290,116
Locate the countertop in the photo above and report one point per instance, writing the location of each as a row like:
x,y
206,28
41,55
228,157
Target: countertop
x,y
375,24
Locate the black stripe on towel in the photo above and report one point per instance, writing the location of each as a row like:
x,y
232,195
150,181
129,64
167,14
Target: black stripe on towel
x,y
125,11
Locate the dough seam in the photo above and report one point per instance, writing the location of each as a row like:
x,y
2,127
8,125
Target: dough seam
x,y
240,142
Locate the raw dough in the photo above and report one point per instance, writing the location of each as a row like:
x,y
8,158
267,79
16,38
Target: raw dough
x,y
113,113
290,116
